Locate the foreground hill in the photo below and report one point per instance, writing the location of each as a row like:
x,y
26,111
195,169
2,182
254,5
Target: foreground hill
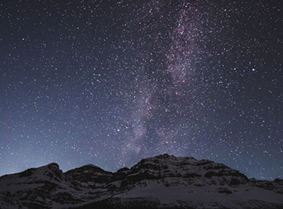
x,y
159,182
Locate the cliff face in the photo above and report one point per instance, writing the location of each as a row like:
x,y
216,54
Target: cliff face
x,y
159,182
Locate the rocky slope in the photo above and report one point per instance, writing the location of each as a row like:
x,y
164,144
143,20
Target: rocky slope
x,y
159,182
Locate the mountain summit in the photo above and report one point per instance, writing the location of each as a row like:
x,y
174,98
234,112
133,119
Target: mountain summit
x,y
163,181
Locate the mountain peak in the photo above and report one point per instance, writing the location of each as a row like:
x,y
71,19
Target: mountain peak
x,y
53,166
164,156
155,182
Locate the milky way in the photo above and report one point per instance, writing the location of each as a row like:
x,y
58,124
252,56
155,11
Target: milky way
x,y
112,82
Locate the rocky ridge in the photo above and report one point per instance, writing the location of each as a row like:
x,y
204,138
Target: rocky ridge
x,y
163,181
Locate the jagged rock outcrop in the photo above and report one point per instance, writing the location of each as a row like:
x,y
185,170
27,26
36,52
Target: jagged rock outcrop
x,y
163,181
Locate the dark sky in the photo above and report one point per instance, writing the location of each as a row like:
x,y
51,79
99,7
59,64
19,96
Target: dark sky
x,y
112,82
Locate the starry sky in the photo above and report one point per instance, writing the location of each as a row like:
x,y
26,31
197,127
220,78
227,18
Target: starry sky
x,y
111,82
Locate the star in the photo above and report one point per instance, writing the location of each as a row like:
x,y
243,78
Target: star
x,y
110,83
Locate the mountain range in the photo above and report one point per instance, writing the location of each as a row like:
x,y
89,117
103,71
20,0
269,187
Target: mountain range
x,y
163,181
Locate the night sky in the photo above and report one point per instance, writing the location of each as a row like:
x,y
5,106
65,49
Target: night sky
x,y
112,82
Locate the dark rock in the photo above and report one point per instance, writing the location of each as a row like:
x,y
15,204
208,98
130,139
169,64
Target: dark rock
x,y
224,190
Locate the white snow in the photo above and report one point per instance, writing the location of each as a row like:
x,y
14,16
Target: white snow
x,y
181,181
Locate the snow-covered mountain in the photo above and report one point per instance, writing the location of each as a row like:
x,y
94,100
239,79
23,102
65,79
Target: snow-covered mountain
x,y
159,182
